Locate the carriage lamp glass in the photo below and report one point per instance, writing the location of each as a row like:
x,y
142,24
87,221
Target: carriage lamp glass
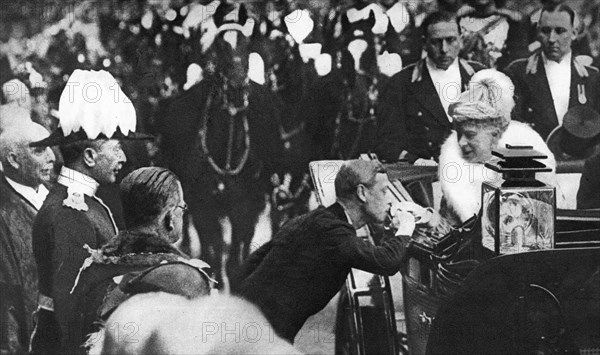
x,y
518,210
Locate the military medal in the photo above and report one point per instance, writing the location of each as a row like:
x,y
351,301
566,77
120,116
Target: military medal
x,y
581,94
75,200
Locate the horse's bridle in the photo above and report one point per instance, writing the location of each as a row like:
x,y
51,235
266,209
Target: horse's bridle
x,y
369,117
232,112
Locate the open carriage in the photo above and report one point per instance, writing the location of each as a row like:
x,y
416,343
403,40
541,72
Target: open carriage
x,y
546,301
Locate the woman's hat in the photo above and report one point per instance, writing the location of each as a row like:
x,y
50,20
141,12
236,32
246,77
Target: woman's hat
x,y
490,97
579,135
93,106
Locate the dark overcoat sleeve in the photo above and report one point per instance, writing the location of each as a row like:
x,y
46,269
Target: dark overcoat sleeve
x,y
72,230
13,334
392,132
588,195
252,262
383,259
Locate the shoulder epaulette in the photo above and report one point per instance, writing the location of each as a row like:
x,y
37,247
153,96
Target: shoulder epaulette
x,y
515,62
532,64
594,69
467,67
580,68
417,73
511,14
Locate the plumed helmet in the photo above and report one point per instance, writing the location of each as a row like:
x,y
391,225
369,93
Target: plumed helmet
x,y
93,106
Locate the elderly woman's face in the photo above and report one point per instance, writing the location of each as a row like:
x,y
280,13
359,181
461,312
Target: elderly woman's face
x,y
476,142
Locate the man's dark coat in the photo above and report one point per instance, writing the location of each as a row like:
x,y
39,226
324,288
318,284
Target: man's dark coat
x,y
298,272
18,271
59,234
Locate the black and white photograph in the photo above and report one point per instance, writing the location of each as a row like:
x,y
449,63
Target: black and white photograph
x,y
328,177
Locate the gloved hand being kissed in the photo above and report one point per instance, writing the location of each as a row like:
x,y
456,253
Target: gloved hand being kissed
x,y
404,222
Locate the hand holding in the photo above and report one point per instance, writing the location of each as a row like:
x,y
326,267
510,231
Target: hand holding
x,y
404,222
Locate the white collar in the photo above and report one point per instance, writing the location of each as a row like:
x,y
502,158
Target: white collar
x,y
566,60
35,197
347,216
346,213
78,181
434,69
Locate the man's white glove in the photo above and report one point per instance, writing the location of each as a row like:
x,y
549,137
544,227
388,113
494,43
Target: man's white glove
x,y
422,215
404,222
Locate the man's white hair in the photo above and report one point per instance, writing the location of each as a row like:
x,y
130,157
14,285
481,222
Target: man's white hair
x,y
16,137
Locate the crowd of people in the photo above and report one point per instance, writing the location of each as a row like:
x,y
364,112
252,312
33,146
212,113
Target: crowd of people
x,y
310,81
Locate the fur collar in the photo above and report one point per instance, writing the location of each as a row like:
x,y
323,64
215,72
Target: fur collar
x,y
461,181
136,243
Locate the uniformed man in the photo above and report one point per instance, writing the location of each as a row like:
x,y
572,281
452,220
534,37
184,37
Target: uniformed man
x,y
492,35
413,118
94,115
550,82
581,44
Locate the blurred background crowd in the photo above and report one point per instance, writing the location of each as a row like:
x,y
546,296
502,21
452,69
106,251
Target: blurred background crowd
x,y
149,44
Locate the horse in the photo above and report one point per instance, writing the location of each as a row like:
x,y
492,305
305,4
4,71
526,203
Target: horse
x,y
340,109
289,76
223,141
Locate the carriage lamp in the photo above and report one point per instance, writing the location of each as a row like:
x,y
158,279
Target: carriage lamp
x,y
518,210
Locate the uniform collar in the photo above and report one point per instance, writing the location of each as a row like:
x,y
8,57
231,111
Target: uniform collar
x,y
565,61
75,180
434,69
35,197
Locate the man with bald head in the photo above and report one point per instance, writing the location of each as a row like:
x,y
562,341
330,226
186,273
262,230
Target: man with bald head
x,y
22,189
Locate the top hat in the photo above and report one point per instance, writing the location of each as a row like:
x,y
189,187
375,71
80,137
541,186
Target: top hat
x,y
579,135
92,106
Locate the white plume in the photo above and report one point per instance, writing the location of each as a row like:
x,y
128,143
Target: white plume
x,y
93,101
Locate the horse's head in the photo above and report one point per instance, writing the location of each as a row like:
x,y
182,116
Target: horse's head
x,y
230,51
358,54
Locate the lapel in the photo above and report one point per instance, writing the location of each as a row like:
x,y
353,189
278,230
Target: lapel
x,y
8,187
465,77
577,81
425,93
538,83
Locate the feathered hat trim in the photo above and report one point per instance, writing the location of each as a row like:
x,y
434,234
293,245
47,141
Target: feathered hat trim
x,y
490,97
93,106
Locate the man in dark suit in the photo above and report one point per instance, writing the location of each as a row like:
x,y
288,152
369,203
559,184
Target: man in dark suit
x,y
550,82
413,108
297,273
23,192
